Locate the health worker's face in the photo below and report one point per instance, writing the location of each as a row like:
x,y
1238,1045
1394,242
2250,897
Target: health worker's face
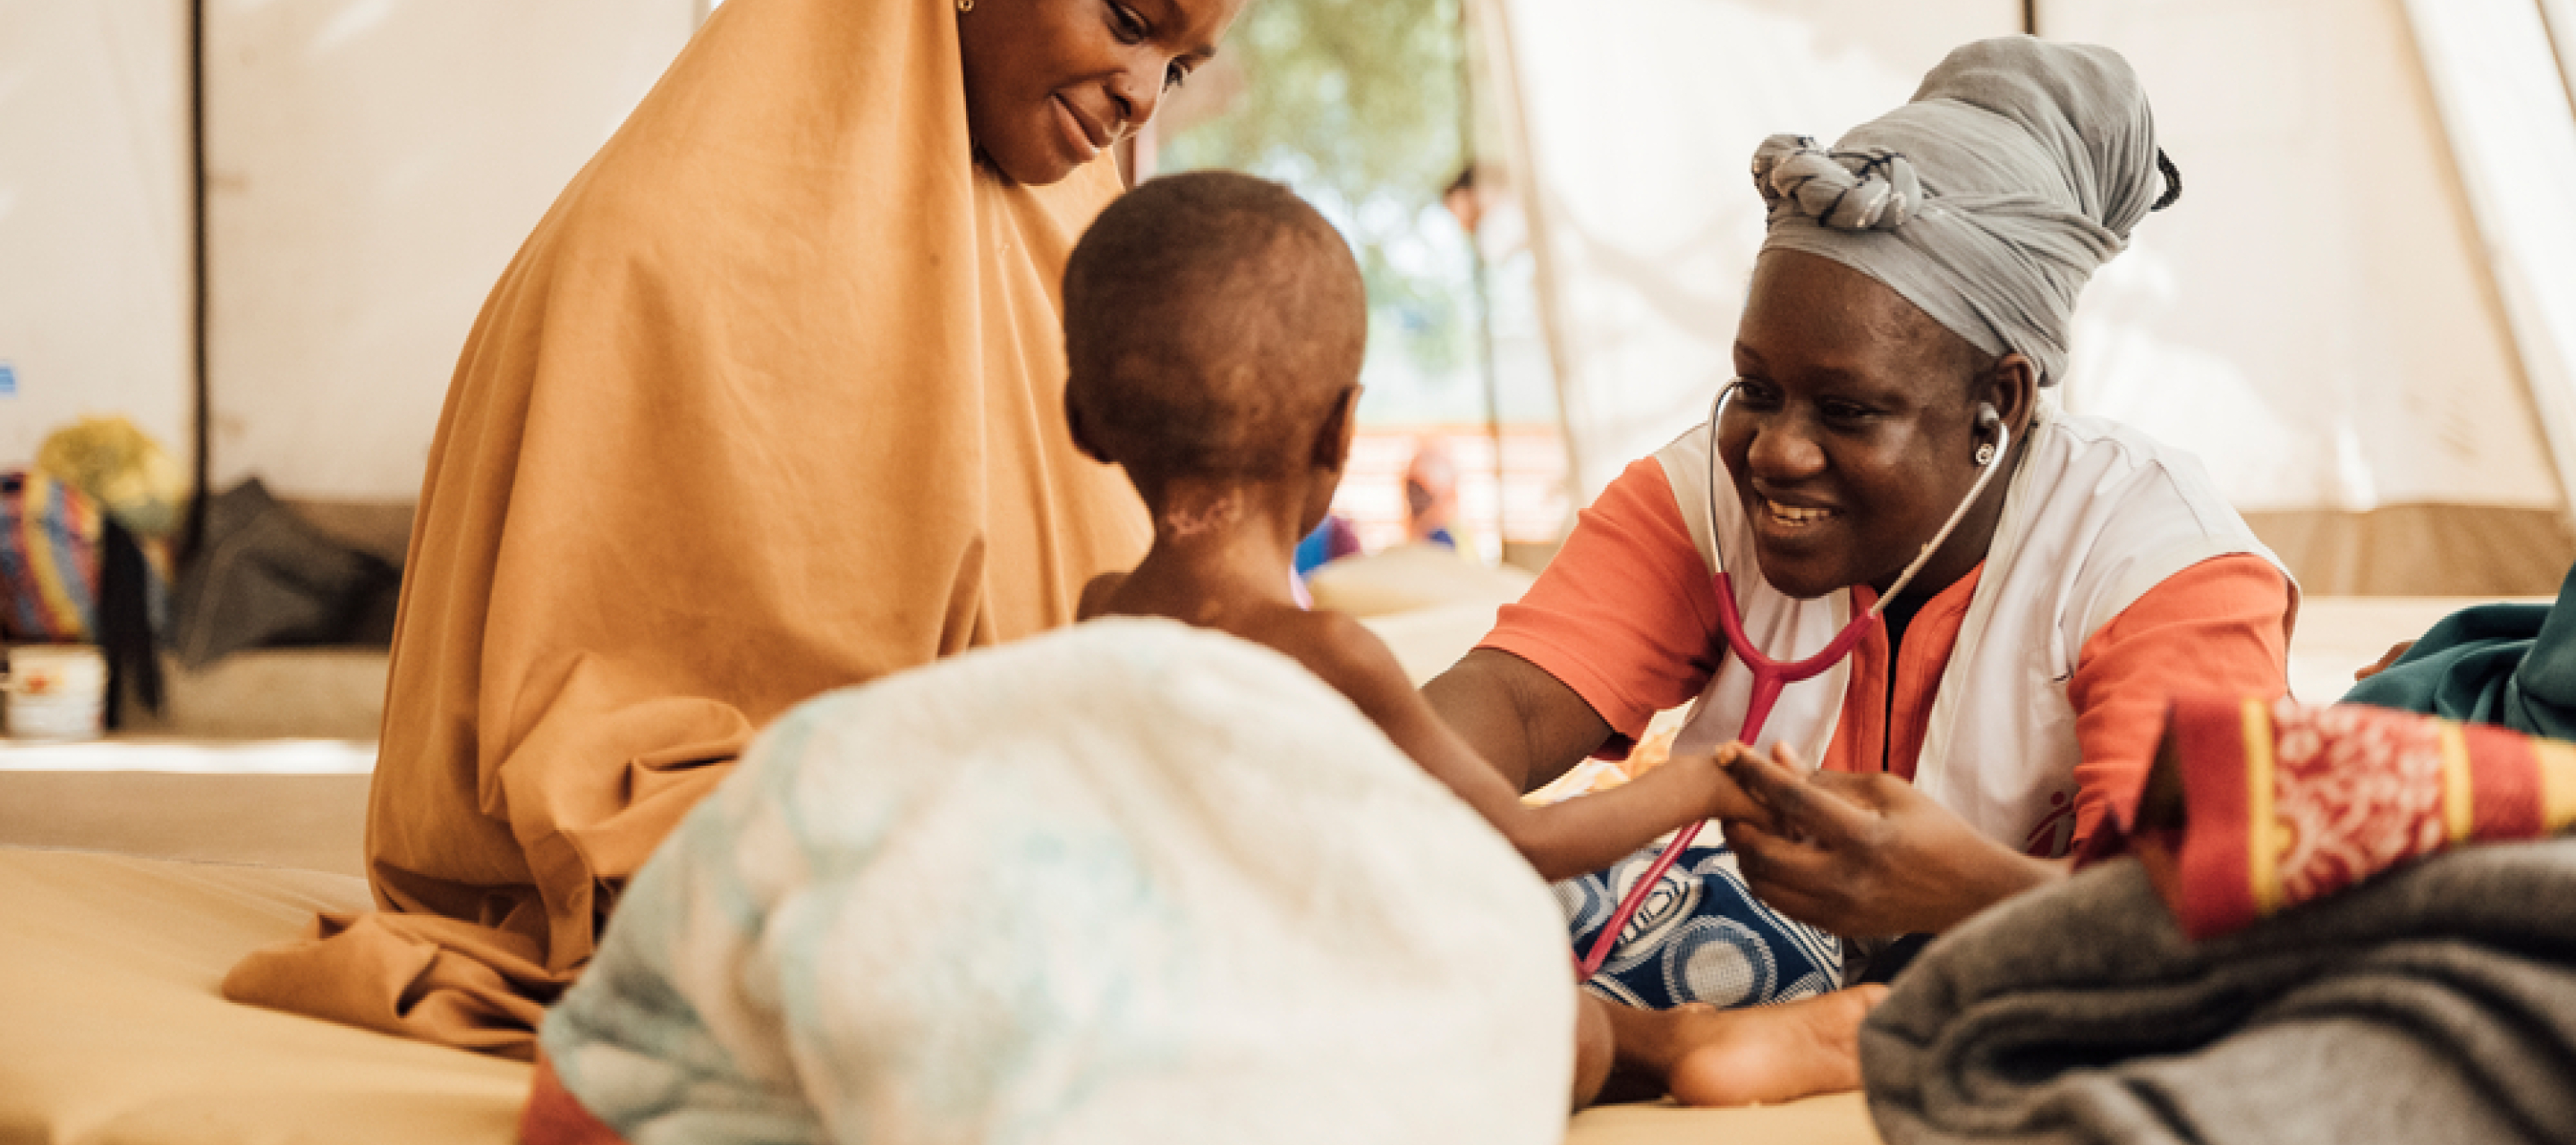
x,y
1050,84
1850,436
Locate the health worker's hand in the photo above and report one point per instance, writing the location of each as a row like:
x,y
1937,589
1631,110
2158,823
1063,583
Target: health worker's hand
x,y
1867,854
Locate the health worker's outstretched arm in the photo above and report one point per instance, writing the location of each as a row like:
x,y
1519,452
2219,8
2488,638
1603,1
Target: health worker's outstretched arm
x,y
1527,723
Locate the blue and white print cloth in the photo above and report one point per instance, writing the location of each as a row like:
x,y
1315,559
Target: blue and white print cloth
x,y
1700,936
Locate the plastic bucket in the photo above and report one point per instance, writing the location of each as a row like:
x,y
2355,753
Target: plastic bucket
x,y
56,691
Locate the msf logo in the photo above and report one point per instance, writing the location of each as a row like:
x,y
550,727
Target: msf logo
x,y
2055,831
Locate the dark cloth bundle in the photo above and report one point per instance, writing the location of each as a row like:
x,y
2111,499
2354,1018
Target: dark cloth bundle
x,y
264,578
2434,1003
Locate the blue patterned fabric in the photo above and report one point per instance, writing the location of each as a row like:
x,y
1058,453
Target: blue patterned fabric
x,y
1701,936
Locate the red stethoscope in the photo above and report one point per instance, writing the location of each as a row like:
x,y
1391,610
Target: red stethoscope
x,y
1769,675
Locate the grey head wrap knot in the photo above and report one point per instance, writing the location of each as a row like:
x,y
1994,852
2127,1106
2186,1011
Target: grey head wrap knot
x,y
2018,169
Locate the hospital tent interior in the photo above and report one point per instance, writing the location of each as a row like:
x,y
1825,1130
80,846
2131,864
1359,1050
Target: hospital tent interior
x,y
259,229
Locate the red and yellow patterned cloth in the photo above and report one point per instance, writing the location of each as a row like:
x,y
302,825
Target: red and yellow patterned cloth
x,y
2258,805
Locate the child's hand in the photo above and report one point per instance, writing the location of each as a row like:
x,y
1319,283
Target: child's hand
x,y
1723,797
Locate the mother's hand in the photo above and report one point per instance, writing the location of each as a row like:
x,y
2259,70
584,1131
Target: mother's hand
x,y
1867,854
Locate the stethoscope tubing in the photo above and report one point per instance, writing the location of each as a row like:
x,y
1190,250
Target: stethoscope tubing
x,y
1771,676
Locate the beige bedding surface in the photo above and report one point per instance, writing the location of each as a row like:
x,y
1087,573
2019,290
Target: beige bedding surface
x,y
306,822
111,1030
112,1033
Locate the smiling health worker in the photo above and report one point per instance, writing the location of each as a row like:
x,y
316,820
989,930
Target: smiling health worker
x,y
1907,318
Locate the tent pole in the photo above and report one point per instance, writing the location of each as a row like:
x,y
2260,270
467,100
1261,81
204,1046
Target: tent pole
x,y
200,438
2557,53
1476,268
1494,31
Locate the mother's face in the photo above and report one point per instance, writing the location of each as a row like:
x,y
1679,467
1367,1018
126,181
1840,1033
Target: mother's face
x,y
1052,83
1852,431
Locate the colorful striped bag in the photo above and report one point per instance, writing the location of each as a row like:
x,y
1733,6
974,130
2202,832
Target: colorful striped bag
x,y
52,538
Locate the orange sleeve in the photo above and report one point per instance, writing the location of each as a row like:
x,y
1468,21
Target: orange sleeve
x,y
1626,614
2219,627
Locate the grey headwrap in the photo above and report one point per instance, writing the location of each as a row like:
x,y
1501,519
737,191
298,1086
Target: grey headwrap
x,y
2018,168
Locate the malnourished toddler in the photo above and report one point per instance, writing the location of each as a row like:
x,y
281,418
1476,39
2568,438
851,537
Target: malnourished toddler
x,y
1214,328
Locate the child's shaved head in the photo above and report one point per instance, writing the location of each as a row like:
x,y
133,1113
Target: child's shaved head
x,y
1212,322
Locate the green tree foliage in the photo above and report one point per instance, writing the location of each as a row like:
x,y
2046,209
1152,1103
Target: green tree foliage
x,y
1357,105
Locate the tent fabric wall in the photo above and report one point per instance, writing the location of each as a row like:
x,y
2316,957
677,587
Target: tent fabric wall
x,y
1636,147
2361,315
372,166
2486,551
2319,318
95,228
2511,120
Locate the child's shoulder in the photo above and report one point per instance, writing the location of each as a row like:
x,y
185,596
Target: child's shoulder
x,y
1287,624
1330,644
1095,594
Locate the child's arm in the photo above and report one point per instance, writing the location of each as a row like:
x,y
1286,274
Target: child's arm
x,y
1563,840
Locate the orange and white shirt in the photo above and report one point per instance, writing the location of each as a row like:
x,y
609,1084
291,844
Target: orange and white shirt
x,y
2027,697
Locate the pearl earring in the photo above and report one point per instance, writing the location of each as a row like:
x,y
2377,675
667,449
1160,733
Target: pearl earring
x,y
965,6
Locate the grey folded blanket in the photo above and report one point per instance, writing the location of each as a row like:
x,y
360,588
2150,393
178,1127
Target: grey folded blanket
x,y
2434,1004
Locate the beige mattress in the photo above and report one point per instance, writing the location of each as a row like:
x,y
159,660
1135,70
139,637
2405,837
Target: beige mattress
x,y
111,1030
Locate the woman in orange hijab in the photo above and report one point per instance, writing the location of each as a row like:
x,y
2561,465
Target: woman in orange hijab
x,y
769,403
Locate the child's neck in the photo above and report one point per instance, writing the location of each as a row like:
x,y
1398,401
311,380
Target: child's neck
x,y
1209,566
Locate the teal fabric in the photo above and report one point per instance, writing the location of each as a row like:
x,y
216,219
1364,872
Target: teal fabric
x,y
2512,665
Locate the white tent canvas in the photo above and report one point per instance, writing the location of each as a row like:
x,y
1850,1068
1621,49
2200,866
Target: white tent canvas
x,y
370,167
95,219
2358,315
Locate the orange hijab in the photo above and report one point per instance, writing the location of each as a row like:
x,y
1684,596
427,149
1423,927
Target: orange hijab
x,y
770,403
